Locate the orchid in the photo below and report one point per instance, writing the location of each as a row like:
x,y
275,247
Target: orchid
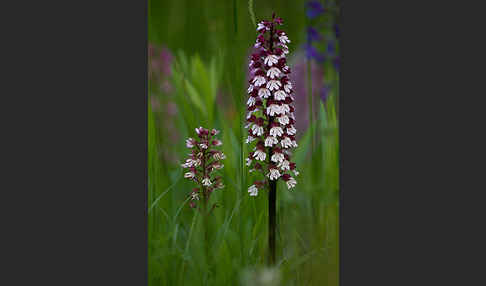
x,y
203,161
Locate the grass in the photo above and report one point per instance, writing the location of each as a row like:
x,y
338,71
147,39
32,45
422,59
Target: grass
x,y
210,41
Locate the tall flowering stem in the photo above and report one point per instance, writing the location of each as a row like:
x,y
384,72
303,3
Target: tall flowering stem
x,y
270,117
204,159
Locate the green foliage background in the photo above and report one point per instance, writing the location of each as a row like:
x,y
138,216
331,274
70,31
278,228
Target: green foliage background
x,y
210,41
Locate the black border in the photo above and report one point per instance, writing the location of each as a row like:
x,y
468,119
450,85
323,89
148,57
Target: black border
x,y
76,156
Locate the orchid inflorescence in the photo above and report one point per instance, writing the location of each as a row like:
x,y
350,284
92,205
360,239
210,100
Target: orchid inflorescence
x,y
270,110
202,163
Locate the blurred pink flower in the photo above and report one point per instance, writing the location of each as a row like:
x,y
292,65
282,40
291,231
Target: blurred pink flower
x,y
166,60
299,78
161,98
171,108
155,103
160,61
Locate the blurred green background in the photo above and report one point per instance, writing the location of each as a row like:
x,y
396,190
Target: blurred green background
x,y
198,65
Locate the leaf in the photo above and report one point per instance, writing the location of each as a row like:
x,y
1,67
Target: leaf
x,y
194,96
252,13
184,104
301,151
165,192
213,78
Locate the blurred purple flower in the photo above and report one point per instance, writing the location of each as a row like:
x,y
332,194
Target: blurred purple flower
x,y
336,62
161,97
325,93
312,53
313,35
314,9
331,49
336,30
160,61
166,59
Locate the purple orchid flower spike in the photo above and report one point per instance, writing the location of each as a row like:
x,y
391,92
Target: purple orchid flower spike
x,y
270,107
202,163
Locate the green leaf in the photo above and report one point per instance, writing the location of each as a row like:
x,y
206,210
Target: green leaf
x,y
252,13
301,151
194,96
